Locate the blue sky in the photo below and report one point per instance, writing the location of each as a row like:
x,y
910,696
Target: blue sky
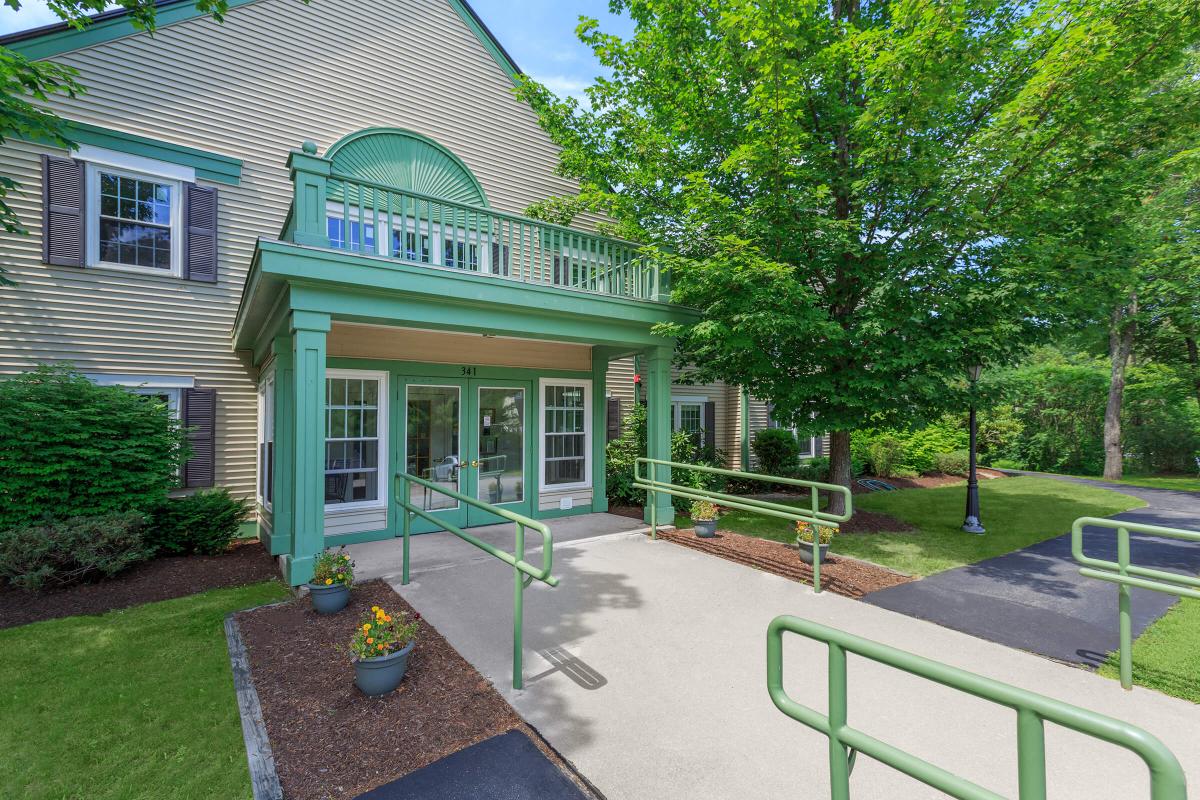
x,y
539,34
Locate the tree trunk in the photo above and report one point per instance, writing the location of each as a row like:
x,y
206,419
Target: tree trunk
x,y
1194,361
839,468
1120,345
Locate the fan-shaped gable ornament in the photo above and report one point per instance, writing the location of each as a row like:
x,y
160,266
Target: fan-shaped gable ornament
x,y
407,161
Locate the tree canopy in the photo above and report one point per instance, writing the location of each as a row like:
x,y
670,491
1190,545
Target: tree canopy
x,y
844,187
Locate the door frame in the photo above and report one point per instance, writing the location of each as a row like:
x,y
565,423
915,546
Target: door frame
x,y
530,480
457,515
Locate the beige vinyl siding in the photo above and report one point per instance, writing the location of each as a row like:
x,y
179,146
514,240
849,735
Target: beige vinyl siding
x,y
276,73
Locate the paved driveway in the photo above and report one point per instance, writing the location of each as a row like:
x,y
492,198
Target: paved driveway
x,y
1035,598
645,668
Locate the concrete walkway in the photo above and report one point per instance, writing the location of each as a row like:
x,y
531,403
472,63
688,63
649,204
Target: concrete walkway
x,y
1036,600
441,550
646,669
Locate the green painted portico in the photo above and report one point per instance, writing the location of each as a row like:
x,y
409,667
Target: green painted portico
x,y
542,283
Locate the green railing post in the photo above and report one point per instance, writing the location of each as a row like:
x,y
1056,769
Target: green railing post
x,y
1167,780
519,612
524,573
1124,622
839,757
1031,756
1127,575
406,526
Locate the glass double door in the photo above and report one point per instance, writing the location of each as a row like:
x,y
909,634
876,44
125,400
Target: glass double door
x,y
470,436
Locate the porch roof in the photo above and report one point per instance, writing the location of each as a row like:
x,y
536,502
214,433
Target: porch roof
x,y
356,287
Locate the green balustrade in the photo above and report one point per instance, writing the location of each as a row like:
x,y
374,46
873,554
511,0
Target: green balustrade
x,y
1033,711
812,515
1125,575
524,573
376,219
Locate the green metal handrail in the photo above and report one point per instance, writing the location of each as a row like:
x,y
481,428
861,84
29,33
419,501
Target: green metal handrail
x,y
524,573
812,515
1124,574
1167,781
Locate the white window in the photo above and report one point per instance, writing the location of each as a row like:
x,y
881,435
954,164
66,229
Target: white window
x,y
687,414
566,433
266,441
166,388
355,439
134,212
808,444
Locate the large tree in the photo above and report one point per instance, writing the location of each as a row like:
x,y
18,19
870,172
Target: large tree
x,y
839,184
26,86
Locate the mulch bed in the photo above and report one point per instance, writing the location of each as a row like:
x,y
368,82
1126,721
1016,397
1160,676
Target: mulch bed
x,y
331,741
159,579
839,574
874,522
633,512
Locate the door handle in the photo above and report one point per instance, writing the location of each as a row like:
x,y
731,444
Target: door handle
x,y
474,463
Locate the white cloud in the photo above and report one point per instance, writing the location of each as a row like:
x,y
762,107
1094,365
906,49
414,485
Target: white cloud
x,y
564,86
33,14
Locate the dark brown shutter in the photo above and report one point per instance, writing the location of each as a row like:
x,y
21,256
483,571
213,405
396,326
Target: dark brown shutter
x,y
200,418
63,200
710,426
613,419
199,233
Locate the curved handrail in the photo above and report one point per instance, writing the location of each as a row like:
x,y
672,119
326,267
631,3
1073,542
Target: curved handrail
x,y
812,515
1125,575
1167,780
517,561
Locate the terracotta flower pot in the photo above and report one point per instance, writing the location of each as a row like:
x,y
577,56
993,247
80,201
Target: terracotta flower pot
x,y
705,528
329,599
376,676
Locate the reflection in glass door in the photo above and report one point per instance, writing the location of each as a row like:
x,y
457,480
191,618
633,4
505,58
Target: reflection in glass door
x,y
500,425
433,443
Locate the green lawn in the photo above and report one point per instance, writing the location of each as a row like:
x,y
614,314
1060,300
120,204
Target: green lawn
x,y
1166,657
137,703
1177,482
1016,512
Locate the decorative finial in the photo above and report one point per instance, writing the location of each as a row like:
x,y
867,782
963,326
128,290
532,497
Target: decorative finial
x,y
309,147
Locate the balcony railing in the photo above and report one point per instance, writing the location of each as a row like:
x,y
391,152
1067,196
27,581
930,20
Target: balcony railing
x,y
348,213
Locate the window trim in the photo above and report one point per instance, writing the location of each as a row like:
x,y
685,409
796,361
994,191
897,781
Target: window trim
x,y
96,161
381,433
586,385
266,414
689,400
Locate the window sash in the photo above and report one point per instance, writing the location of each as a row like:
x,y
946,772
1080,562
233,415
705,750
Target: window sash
x,y
566,434
356,428
95,173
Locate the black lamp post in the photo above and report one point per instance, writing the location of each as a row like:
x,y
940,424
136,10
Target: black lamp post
x,y
971,522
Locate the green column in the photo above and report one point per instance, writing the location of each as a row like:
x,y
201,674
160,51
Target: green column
x,y
285,455
658,423
744,417
308,438
600,358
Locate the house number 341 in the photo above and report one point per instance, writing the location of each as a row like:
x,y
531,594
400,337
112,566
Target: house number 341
x,y
470,371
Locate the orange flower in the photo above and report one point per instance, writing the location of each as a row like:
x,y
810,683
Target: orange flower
x,y
387,618
379,646
370,640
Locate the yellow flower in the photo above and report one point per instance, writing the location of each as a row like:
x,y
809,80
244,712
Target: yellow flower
x,y
366,626
375,609
328,581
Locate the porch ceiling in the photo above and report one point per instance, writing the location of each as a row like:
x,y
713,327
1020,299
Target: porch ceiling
x,y
287,277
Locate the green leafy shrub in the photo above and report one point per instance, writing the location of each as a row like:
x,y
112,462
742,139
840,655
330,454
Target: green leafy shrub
x,y
1006,463
777,451
921,446
204,522
69,447
814,469
702,511
956,463
623,452
66,551
886,455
